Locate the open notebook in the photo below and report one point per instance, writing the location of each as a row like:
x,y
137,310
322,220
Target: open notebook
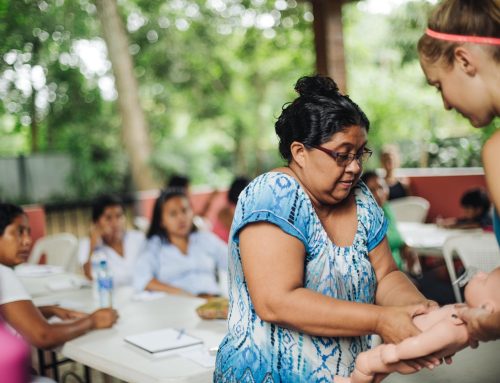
x,y
160,341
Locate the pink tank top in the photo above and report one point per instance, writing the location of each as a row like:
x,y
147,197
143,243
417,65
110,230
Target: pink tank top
x,y
14,357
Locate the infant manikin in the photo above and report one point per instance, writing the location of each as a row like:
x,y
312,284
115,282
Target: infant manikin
x,y
443,334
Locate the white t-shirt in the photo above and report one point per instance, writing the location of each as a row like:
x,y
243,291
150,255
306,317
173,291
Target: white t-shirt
x,y
122,268
11,288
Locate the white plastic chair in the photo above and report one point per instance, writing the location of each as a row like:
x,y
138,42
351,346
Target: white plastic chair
x,y
410,209
59,249
141,223
479,250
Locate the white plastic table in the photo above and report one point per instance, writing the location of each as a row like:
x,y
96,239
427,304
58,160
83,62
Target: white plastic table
x,y
106,350
427,238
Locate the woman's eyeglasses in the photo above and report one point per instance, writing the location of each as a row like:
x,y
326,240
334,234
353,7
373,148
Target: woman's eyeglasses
x,y
344,159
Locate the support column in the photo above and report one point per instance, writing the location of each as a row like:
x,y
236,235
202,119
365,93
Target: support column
x,y
329,40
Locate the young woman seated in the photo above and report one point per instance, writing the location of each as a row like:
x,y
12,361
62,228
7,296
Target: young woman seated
x,y
109,238
177,258
16,307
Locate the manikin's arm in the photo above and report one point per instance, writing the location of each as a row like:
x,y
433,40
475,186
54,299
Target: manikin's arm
x,y
440,331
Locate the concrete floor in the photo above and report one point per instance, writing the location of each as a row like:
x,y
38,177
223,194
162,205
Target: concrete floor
x,y
481,365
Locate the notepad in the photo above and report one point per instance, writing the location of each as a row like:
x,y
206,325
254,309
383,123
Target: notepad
x,y
163,340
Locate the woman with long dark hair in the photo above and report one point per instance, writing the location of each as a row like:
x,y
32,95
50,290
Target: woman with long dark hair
x,y
177,258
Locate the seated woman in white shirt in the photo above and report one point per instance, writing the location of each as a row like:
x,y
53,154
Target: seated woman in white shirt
x,y
177,258
16,307
110,239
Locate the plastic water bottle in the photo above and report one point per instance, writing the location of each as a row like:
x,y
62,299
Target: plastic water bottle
x,y
104,284
97,256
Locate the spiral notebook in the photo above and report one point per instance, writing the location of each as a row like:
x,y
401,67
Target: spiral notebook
x,y
159,341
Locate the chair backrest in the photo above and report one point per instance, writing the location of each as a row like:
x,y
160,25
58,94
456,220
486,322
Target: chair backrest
x,y
141,223
410,209
59,249
479,250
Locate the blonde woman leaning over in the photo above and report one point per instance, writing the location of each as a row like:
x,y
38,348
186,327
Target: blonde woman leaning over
x,y
460,56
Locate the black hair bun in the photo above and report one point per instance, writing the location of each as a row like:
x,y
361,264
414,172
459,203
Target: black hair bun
x,y
311,86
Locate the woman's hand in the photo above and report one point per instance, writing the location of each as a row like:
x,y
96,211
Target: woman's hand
x,y
95,236
395,324
104,318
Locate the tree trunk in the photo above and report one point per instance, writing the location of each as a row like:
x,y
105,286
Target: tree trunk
x,y
32,107
135,130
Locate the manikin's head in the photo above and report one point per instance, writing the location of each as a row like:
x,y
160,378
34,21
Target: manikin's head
x,y
483,290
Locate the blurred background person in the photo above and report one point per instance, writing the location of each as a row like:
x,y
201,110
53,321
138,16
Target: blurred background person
x,y
178,258
389,159
179,181
200,219
476,205
109,238
460,55
14,357
406,259
222,225
16,306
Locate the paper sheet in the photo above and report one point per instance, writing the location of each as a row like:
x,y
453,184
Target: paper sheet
x,y
168,339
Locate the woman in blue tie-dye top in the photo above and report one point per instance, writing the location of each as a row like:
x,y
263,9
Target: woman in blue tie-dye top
x,y
311,274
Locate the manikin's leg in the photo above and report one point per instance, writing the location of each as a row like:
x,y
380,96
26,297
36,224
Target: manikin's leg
x,y
369,363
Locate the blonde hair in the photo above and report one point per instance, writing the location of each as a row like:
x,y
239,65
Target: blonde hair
x,y
462,17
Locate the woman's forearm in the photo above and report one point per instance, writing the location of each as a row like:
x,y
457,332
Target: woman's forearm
x,y
47,311
316,314
27,320
56,334
395,289
156,285
87,269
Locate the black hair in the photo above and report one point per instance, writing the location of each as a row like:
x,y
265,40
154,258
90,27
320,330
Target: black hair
x,y
476,198
316,115
368,175
8,213
102,202
156,227
237,186
178,181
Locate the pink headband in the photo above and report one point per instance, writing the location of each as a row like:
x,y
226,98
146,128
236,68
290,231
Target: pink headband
x,y
462,38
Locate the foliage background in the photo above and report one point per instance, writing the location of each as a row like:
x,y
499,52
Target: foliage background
x,y
213,77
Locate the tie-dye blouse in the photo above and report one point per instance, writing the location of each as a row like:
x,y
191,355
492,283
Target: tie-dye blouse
x,y
258,351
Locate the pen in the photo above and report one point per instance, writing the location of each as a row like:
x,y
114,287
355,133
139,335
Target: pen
x,y
181,333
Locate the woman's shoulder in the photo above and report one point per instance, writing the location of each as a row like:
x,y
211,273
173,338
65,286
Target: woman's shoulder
x,y
367,206
491,147
362,193
370,215
154,243
271,186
